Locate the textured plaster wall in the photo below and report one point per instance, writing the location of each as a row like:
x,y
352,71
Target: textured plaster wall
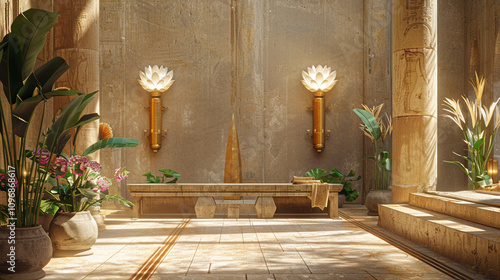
x,y
233,57
245,58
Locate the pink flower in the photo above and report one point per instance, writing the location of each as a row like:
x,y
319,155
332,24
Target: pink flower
x,y
96,167
42,155
103,183
79,164
59,167
121,174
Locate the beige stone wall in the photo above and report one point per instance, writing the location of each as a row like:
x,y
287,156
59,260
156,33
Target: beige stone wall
x,y
245,57
241,57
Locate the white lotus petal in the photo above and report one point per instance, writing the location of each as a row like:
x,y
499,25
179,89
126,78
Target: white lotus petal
x,y
148,71
155,68
319,78
155,77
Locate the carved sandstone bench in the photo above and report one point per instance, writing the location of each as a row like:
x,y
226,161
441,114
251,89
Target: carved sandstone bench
x,y
205,206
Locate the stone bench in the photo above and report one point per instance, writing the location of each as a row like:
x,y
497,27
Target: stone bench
x,y
205,206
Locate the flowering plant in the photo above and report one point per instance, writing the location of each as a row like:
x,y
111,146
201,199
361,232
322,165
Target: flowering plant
x,y
78,184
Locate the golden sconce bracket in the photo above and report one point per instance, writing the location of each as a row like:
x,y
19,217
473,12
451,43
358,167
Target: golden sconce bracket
x,y
155,80
327,133
309,133
319,80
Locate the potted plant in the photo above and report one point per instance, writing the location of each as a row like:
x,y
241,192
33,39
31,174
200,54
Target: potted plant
x,y
378,130
479,136
25,172
335,177
167,174
78,185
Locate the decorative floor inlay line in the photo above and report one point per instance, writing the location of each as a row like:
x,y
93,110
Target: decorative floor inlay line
x,y
455,274
150,266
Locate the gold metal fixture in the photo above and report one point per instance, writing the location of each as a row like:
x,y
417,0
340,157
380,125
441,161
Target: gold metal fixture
x,y
493,170
156,80
319,80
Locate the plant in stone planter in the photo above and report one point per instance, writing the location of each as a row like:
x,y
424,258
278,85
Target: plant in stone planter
x,y
479,136
25,172
77,185
167,174
378,130
336,177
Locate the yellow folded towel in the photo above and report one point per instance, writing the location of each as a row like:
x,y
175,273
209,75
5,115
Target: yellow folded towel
x,y
319,195
301,179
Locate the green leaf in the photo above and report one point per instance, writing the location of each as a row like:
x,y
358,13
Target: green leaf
x,y
478,144
11,68
114,142
24,111
50,206
370,122
317,173
32,28
336,173
119,199
352,195
168,173
44,77
149,174
67,119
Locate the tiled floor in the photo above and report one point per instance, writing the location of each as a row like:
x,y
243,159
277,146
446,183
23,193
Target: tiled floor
x,y
245,248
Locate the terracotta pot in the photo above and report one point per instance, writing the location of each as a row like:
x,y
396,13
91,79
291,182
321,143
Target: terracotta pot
x,y
341,200
31,251
73,234
376,197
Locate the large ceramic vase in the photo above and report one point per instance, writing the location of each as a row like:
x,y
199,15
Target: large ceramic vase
x,y
376,197
73,234
31,251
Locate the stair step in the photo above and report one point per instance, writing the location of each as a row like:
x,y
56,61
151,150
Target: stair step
x,y
470,211
473,245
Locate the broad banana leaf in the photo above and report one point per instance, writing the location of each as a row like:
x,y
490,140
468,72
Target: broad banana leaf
x,y
68,119
370,122
24,111
44,78
115,142
32,29
11,68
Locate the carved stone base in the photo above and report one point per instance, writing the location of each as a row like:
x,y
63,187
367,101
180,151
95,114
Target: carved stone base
x,y
265,207
205,207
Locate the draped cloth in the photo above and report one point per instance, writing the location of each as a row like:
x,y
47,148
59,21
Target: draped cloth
x,y
319,195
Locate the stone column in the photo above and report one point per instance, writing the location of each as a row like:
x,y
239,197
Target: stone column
x,y
76,39
414,101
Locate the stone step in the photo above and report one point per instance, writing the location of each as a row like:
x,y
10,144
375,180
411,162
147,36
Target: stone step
x,y
473,245
466,210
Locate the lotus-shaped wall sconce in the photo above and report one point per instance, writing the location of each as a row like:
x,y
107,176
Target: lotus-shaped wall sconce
x,y
319,80
156,80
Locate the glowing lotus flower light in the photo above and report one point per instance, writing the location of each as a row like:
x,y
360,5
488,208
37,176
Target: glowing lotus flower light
x,y
156,79
319,78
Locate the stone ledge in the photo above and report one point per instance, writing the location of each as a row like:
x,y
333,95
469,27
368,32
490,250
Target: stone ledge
x,y
473,245
470,211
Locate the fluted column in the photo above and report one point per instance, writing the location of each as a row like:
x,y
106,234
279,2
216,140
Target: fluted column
x,y
76,39
414,30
